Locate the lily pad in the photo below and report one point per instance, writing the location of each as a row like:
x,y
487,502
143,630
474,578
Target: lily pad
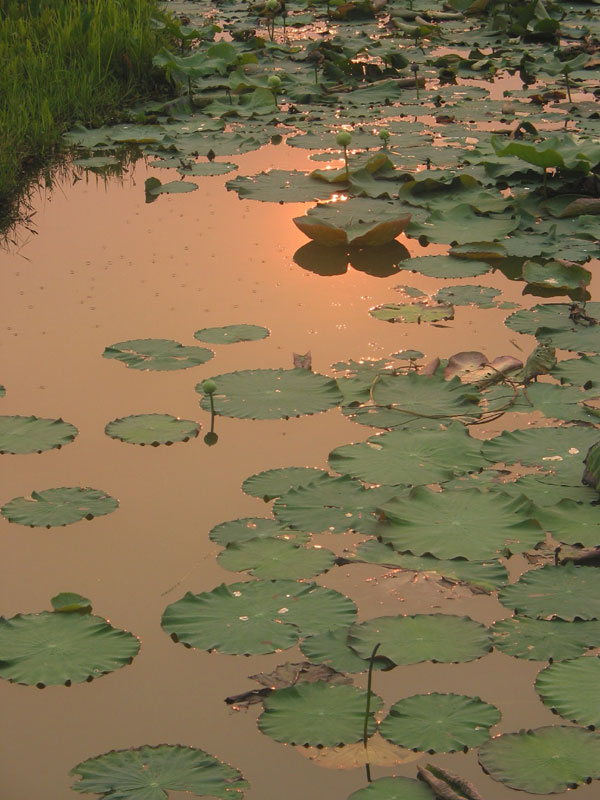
x,y
570,689
582,371
205,168
542,447
320,713
543,760
281,186
412,312
465,295
545,640
152,429
554,275
560,323
173,187
273,483
157,354
276,558
394,789
439,723
148,773
52,507
446,266
272,394
331,648
359,221
230,334
256,617
236,531
572,523
34,434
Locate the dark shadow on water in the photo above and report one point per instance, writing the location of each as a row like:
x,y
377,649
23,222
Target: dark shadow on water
x,y
381,262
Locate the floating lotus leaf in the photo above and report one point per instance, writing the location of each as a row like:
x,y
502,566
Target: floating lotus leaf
x,y
443,638
555,275
320,713
359,221
332,505
229,334
572,523
555,151
543,760
153,429
148,773
70,601
154,187
545,640
439,723
236,531
157,354
570,689
560,402
204,168
331,648
465,295
567,592
561,325
591,474
52,507
280,186
34,434
272,393
60,647
446,266
460,224
273,483
410,457
472,524
394,789
581,371
256,617
276,558
542,447
542,493
412,312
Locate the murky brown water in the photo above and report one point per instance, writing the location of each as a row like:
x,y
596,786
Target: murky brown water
x,y
103,268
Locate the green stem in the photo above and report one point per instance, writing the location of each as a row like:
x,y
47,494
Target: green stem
x,y
346,160
568,87
368,708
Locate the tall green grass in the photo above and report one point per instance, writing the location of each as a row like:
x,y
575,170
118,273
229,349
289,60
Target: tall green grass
x,y
63,61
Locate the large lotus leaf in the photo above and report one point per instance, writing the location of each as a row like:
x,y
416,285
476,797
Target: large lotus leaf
x,y
52,507
567,592
555,151
581,371
473,524
446,266
256,617
34,434
465,295
578,338
543,760
276,558
394,789
557,276
572,523
571,689
461,224
561,324
152,429
559,402
545,640
157,354
280,186
321,714
272,393
148,773
331,505
229,334
412,312
331,648
410,457
273,483
439,723
359,221
236,531
543,493
541,447
53,648
202,168
443,638
484,575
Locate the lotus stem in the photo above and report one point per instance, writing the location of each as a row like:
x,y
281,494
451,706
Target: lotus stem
x,y
568,86
368,708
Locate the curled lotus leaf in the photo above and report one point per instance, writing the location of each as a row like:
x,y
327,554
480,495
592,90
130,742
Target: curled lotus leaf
x,y
545,640
229,334
34,434
359,221
152,429
157,354
570,688
52,507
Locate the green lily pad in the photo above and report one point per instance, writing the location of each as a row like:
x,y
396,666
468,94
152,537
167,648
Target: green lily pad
x,y
157,354
331,648
412,312
465,295
439,723
281,186
273,483
153,429
173,187
70,601
554,275
547,448
230,334
236,531
54,647
256,617
148,773
394,789
276,558
34,434
446,266
567,592
581,371
545,640
542,493
359,221
205,168
543,760
558,323
272,394
319,714
461,224
443,638
570,689
571,522
559,402
52,507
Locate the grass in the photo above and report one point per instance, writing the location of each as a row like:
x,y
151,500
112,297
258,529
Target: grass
x,y
61,62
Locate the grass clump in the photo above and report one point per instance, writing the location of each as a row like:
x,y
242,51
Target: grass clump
x,y
64,62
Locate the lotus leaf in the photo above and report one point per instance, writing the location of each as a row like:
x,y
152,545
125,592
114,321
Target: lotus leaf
x,y
582,371
410,457
545,640
276,558
572,522
256,617
204,168
555,275
561,323
147,773
153,429
570,689
567,592
543,760
443,638
280,186
560,402
359,222
331,648
230,334
320,713
157,354
173,187
2,390
543,493
71,601
555,151
542,447
482,296
273,483
440,723
461,224
52,507
591,474
34,434
53,648
412,312
394,789
241,530
272,394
